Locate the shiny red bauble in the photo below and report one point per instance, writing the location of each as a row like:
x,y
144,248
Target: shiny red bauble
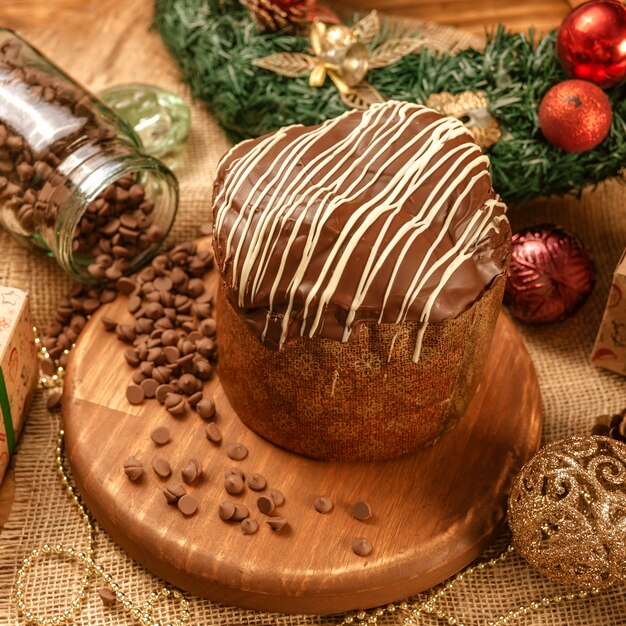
x,y
591,42
550,276
575,115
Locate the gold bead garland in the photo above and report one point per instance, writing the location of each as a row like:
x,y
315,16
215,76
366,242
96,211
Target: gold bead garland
x,y
56,380
143,614
428,607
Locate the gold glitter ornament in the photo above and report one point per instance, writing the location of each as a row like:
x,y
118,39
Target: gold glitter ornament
x,y
567,512
472,108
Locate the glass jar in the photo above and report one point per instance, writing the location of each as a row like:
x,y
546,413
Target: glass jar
x,y
73,178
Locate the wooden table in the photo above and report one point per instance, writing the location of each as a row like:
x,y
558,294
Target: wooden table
x,y
70,30
27,15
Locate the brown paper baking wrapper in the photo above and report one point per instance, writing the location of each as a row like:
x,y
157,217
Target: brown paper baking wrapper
x,y
361,400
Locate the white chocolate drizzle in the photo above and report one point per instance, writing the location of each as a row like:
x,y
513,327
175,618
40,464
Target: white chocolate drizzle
x,y
298,194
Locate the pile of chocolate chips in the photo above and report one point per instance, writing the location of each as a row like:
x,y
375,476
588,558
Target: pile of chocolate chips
x,y
172,338
172,348
70,318
117,225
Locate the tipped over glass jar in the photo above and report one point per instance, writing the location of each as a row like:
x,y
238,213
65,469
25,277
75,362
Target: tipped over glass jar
x,y
74,180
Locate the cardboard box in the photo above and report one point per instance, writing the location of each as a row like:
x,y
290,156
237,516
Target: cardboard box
x,y
19,369
609,350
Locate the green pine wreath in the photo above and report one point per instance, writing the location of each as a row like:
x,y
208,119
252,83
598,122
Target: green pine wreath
x,y
216,41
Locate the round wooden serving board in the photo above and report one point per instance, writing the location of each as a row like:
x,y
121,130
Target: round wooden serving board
x,y
433,511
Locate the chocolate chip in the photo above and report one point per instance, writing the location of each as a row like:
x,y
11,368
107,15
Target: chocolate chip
x,y
153,310
134,304
125,332
131,356
161,467
277,496
237,451
187,505
195,287
107,595
91,305
192,471
227,510
234,471
160,436
277,524
204,371
188,383
173,492
249,526
162,391
241,512
361,511
257,482
208,327
266,505
135,394
149,386
601,429
194,398
171,353
125,285
206,409
133,468
163,283
169,338
47,367
233,484
323,504
361,546
53,401
175,404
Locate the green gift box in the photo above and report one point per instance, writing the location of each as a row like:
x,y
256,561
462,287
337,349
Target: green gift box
x,y
19,368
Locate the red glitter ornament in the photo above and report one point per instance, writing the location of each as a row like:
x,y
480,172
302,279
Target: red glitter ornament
x,y
591,42
575,115
277,15
550,276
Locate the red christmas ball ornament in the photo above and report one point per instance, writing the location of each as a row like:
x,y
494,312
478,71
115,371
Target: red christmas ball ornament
x,y
591,42
575,115
550,276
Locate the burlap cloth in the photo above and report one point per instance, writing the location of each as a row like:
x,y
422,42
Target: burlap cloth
x,y
573,391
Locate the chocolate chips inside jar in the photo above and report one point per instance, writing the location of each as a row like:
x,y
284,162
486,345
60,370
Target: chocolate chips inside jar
x,y
73,178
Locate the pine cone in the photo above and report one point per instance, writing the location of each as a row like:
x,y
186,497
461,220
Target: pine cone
x,y
279,14
613,426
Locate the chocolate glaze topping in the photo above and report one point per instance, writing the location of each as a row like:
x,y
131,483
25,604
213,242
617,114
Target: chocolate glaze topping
x,y
384,216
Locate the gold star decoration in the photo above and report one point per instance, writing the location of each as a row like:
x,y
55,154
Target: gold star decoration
x,y
341,53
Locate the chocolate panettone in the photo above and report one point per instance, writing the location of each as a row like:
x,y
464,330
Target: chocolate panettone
x,y
362,265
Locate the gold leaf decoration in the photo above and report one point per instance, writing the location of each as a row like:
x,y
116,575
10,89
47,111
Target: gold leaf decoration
x,y
472,108
362,96
341,54
393,50
367,28
292,64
